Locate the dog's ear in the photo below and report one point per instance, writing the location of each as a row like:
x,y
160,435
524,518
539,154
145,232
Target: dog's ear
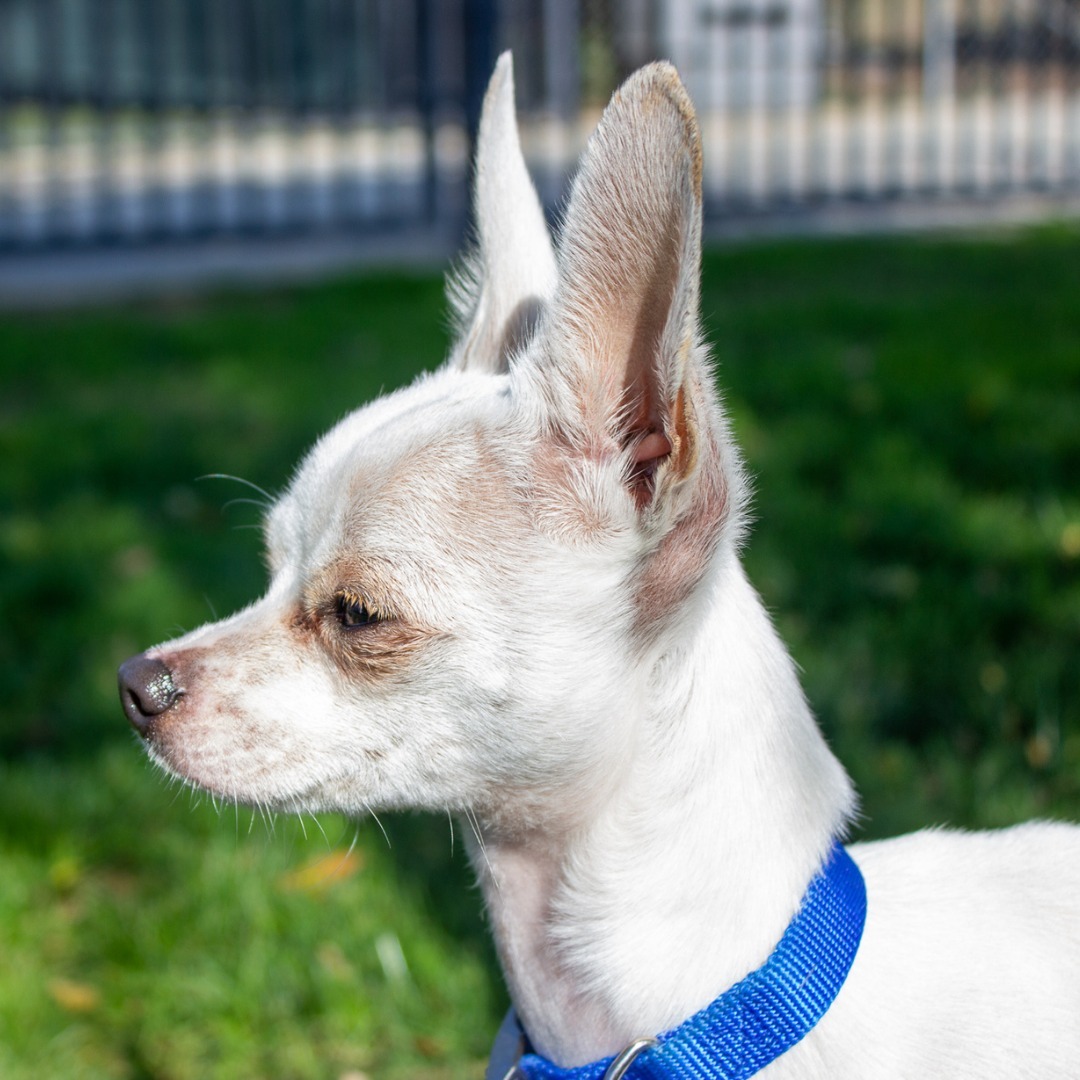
x,y
502,288
623,332
619,362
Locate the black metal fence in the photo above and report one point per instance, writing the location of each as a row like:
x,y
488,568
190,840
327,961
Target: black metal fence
x,y
133,119
883,99
128,120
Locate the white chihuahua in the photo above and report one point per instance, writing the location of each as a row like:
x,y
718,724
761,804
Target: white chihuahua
x,y
513,590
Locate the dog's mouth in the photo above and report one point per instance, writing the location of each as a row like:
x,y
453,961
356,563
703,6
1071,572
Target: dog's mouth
x,y
209,761
224,789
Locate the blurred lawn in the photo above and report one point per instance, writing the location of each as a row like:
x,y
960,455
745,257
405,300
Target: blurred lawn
x,y
911,410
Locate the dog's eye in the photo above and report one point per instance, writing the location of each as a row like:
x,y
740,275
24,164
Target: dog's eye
x,y
354,611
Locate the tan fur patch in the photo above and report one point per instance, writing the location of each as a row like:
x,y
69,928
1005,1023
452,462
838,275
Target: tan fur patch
x,y
468,502
674,570
684,436
564,493
376,653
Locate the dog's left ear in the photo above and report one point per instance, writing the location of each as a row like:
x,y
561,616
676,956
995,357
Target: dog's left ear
x,y
502,289
622,341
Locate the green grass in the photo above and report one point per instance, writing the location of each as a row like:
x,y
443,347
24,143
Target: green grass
x,y
911,411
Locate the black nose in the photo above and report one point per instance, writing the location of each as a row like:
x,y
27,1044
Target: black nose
x,y
146,690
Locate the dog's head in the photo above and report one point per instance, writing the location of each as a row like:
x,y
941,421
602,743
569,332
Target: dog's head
x,y
474,579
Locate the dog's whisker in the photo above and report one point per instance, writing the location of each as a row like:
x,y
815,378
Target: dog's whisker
x,y
269,499
319,826
470,817
354,841
450,821
246,502
386,835
178,789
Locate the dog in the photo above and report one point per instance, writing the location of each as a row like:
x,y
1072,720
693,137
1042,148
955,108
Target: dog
x,y
512,590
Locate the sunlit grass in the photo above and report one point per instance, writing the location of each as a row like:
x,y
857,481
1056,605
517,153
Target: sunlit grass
x,y
146,933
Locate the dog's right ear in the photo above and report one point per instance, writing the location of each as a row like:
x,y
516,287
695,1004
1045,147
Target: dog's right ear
x,y
502,288
619,363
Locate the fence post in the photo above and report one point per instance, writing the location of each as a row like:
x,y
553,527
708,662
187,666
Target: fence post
x,y
481,36
939,75
425,93
561,63
939,50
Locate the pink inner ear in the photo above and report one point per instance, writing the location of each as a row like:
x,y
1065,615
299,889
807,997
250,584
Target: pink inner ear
x,y
647,455
655,445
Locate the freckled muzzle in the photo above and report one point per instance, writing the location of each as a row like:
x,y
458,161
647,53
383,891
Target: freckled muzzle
x,y
146,691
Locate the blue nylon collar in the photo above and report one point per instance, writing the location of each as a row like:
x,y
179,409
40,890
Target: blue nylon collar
x,y
755,1021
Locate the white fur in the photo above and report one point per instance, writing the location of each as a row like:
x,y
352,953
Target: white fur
x,y
651,790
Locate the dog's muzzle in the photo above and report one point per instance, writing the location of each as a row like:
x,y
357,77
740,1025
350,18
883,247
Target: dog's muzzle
x,y
146,691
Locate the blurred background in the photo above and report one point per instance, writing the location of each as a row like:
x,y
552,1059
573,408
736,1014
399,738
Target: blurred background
x,y
153,120
223,225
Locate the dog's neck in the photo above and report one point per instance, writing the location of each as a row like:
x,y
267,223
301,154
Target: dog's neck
x,y
685,877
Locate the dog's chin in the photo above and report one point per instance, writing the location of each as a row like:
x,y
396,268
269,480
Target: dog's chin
x,y
226,785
